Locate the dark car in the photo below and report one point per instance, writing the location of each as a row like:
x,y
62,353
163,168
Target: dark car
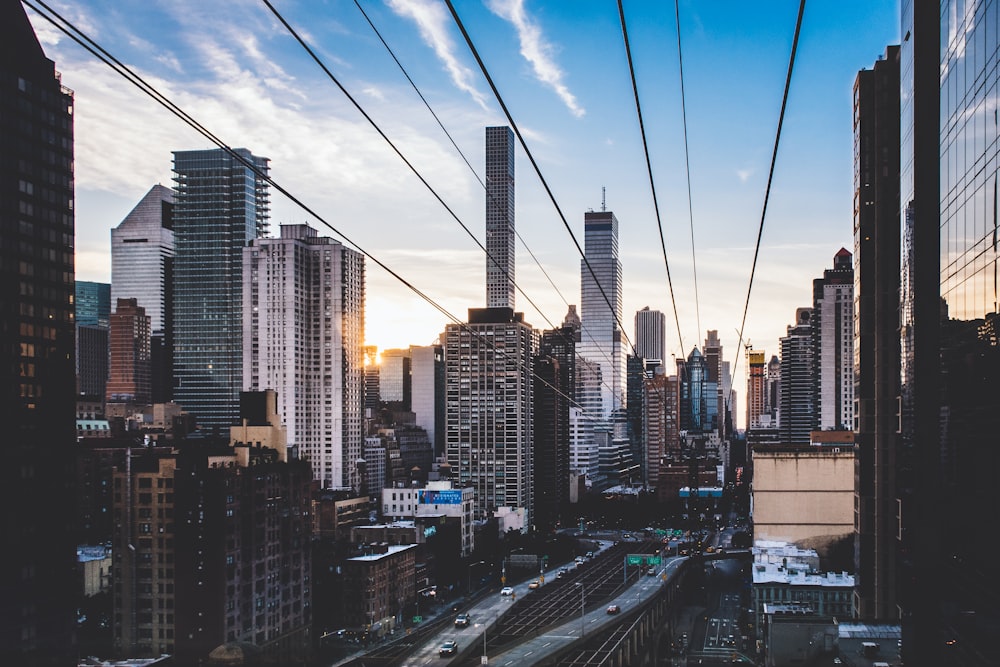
x,y
614,609
450,647
462,621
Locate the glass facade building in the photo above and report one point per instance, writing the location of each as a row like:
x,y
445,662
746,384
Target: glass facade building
x,y
950,348
93,304
602,341
220,205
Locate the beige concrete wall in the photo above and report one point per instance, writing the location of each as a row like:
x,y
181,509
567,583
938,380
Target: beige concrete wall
x,y
803,495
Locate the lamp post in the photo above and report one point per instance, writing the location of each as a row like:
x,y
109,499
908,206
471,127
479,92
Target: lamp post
x,y
472,565
583,627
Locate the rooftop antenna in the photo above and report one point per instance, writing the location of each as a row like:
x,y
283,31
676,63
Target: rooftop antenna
x,y
603,207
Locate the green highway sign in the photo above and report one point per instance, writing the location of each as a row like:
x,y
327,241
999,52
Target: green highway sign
x,y
653,560
634,559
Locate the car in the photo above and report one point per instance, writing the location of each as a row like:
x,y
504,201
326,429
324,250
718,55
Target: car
x,y
506,590
450,647
462,621
613,609
533,585
651,572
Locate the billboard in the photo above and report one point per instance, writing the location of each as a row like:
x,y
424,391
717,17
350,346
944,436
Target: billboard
x,y
439,497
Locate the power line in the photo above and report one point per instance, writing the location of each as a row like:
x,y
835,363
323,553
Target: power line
x,y
649,171
95,49
687,164
460,152
534,164
477,177
378,129
770,177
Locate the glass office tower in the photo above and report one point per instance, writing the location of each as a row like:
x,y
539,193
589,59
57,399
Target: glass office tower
x,y
220,205
950,349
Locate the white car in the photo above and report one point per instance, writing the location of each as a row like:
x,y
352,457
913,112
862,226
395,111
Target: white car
x,y
506,590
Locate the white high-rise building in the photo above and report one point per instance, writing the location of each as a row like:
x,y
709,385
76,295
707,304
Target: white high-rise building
x,y
650,334
303,332
601,339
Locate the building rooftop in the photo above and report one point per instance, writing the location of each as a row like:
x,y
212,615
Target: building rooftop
x,y
776,573
390,551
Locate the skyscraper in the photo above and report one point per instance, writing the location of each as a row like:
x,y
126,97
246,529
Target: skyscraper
x,y
394,385
714,365
650,340
756,388
142,266
876,340
551,435
489,427
797,387
37,580
499,217
304,300
774,389
427,392
93,303
833,340
221,204
129,367
93,313
698,404
602,341
662,425
950,345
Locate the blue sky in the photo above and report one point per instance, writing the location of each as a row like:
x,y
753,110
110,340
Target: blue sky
x,y
562,71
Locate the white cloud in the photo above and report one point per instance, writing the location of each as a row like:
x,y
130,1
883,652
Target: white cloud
x,y
432,21
374,92
744,174
536,50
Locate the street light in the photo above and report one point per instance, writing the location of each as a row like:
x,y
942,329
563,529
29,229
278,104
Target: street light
x,y
472,565
583,627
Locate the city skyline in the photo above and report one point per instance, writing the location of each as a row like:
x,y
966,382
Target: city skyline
x,y
251,84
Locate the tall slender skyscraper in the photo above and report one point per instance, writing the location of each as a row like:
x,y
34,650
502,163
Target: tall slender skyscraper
x,y
756,388
142,266
601,339
37,580
833,340
797,388
221,204
304,304
714,366
499,217
876,335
